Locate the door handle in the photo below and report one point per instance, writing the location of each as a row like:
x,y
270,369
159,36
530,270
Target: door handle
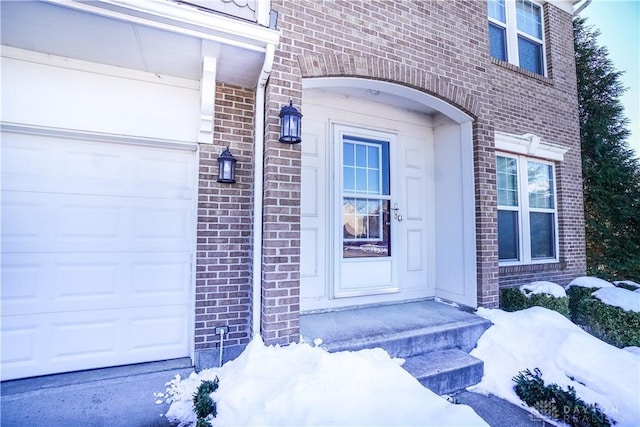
x,y
395,210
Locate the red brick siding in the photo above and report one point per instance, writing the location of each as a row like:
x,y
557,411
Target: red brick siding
x,y
225,217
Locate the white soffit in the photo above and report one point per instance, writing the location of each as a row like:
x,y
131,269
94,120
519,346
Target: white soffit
x,y
529,145
92,32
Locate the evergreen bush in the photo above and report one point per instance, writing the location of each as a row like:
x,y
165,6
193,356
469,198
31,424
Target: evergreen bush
x,y
576,295
611,324
554,402
203,404
513,299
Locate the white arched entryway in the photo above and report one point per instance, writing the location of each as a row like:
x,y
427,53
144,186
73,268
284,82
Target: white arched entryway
x,y
388,202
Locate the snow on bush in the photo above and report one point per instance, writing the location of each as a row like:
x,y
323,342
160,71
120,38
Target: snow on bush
x,y
627,282
303,385
542,287
619,297
590,282
566,355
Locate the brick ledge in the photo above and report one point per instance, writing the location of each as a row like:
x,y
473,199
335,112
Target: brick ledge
x,y
532,268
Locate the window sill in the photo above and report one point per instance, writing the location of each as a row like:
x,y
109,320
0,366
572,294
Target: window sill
x,y
515,68
532,268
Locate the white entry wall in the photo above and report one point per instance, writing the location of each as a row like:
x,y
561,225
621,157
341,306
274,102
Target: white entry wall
x,y
432,215
99,176
329,280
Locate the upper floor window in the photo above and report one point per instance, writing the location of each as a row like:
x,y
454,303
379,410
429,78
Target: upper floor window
x,y
516,33
527,212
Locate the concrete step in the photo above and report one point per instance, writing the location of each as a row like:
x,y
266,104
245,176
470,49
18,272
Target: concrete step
x,y
445,371
459,334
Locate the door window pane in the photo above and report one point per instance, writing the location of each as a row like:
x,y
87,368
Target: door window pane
x,y
366,223
542,235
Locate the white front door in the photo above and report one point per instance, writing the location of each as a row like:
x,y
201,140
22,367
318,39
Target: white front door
x,y
365,213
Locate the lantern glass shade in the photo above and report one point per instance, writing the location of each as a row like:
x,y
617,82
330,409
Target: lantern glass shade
x,y
227,167
290,124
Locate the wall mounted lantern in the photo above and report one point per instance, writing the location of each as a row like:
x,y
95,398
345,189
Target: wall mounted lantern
x,y
290,124
227,167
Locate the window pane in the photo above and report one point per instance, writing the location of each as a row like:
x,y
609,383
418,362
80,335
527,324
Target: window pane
x,y
361,155
366,228
497,42
542,235
540,183
349,179
361,180
530,54
348,154
374,182
529,18
508,246
495,9
374,158
507,175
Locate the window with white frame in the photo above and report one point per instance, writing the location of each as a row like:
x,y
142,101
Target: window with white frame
x,y
516,33
527,213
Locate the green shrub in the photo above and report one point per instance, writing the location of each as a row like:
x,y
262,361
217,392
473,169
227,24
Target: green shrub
x,y
512,299
576,295
554,402
609,323
627,286
203,404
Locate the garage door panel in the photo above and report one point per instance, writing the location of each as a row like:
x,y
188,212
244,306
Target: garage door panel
x,y
57,165
64,282
45,222
46,343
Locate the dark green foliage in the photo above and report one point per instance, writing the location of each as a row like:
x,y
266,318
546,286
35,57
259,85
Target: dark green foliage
x,y
611,173
203,404
626,286
554,402
576,295
611,324
512,299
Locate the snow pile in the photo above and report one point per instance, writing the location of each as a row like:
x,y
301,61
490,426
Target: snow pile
x,y
303,385
590,282
543,287
619,297
566,355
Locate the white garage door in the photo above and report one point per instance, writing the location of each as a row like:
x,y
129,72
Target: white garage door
x,y
96,253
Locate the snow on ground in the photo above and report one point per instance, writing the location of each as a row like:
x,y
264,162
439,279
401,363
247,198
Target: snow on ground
x,y
543,287
303,385
590,282
619,297
566,355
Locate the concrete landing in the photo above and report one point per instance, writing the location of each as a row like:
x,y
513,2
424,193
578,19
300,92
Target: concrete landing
x,y
434,338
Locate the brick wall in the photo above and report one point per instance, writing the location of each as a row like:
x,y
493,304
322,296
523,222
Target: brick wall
x,y
527,103
223,258
439,47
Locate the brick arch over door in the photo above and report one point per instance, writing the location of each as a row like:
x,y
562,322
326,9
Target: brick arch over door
x,y
332,65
